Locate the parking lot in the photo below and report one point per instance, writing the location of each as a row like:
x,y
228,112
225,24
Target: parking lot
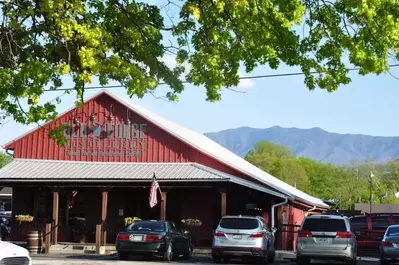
x,y
199,259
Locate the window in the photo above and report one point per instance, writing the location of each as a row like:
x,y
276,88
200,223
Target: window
x,y
379,222
239,223
147,226
324,225
393,231
359,224
395,219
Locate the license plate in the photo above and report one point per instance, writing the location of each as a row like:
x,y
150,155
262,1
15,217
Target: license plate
x,y
136,238
237,237
323,240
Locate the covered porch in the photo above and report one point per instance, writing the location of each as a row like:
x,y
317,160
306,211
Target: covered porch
x,y
85,202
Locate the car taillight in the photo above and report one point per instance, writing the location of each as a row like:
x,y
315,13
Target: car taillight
x,y
387,244
305,234
122,237
344,235
256,235
219,234
151,238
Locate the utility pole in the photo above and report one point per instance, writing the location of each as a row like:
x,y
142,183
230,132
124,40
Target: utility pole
x,y
371,194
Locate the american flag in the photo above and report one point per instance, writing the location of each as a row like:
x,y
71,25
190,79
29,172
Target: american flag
x,y
72,202
153,191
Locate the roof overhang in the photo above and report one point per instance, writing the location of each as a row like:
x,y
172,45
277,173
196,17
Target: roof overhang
x,y
56,171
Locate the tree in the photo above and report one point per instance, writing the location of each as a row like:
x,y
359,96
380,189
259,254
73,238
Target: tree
x,y
4,159
42,41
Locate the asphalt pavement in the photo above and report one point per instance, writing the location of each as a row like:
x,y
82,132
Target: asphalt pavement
x,y
113,259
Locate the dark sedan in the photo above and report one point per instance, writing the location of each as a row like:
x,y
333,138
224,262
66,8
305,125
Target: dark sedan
x,y
153,238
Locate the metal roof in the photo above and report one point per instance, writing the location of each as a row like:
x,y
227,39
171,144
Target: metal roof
x,y
214,150
36,170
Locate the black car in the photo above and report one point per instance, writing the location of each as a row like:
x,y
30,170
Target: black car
x,y
154,238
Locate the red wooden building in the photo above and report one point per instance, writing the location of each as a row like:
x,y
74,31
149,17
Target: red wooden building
x,y
104,172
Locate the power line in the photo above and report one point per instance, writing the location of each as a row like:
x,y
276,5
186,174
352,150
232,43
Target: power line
x,y
186,82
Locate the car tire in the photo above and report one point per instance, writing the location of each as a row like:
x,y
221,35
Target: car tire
x,y
168,255
123,256
383,261
272,257
302,261
216,259
265,259
189,252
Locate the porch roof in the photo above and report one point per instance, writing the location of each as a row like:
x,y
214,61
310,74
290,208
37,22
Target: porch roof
x,y
35,170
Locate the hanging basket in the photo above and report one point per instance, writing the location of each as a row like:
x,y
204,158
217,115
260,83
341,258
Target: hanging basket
x,y
24,218
131,220
191,222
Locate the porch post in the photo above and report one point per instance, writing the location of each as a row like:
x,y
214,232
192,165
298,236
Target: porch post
x,y
101,234
223,202
104,217
55,216
163,206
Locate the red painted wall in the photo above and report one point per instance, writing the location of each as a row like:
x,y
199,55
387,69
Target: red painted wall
x,y
159,146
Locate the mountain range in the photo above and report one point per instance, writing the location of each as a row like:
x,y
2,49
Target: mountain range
x,y
313,143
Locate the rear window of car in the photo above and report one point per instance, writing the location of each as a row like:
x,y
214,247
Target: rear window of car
x,y
393,231
239,223
359,223
324,225
380,223
147,226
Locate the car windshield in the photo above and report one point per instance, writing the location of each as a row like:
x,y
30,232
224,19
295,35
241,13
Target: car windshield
x,y
239,223
324,225
147,226
393,231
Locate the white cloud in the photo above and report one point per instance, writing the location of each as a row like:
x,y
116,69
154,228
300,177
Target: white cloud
x,y
245,83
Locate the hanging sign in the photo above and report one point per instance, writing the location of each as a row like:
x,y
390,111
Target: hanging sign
x,y
107,139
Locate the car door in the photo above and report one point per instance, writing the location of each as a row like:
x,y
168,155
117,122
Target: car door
x,y
269,235
175,238
360,228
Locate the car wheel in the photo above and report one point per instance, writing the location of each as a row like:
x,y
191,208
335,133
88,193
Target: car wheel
x,y
272,257
265,259
189,252
383,261
216,259
168,255
302,261
123,256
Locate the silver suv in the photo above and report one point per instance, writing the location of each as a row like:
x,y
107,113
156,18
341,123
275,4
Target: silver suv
x,y
326,236
241,237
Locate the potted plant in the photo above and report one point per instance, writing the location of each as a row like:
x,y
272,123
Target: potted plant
x,y
24,218
131,220
191,222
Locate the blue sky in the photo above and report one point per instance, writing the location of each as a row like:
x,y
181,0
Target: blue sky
x,y
367,106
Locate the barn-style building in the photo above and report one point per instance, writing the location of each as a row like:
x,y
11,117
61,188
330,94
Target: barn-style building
x,y
103,175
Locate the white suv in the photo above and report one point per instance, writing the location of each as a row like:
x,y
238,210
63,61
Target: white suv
x,y
327,237
243,236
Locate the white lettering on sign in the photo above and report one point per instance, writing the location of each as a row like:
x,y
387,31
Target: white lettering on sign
x,y
107,139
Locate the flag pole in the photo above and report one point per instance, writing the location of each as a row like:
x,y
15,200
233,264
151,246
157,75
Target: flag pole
x,y
159,188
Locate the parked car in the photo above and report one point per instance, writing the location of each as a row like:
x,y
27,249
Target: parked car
x,y
370,228
13,254
154,238
5,226
389,247
327,237
242,237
